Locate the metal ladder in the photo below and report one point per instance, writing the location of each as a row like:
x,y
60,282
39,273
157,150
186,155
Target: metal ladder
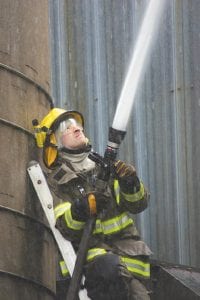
x,y
42,189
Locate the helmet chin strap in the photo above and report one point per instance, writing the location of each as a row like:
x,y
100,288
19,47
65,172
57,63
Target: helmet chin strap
x,y
86,148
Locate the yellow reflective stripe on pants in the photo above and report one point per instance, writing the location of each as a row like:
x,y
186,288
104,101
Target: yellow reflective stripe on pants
x,y
136,196
136,266
92,253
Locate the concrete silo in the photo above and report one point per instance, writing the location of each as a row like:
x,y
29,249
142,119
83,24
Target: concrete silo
x,y
27,263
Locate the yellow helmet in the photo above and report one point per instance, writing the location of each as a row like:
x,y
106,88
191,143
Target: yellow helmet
x,y
45,131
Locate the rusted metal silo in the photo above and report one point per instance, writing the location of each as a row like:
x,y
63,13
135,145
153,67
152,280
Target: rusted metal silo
x,y
27,263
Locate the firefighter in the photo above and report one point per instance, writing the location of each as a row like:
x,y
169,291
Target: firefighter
x,y
117,265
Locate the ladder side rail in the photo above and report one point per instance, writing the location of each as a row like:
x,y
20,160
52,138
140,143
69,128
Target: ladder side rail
x,y
45,197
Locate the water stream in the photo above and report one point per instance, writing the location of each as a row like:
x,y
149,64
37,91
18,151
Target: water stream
x,y
139,62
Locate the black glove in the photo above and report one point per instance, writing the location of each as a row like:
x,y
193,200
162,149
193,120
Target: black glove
x,y
126,174
80,209
124,170
92,204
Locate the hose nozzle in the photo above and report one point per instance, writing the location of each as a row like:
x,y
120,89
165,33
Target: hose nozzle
x,y
115,137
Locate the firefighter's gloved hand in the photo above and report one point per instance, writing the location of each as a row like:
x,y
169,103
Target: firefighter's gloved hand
x,y
124,170
80,209
92,204
127,176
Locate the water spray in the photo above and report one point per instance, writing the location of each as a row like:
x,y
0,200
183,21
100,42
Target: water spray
x,y
134,76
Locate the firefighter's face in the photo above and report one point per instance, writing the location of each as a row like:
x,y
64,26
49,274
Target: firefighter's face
x,y
73,137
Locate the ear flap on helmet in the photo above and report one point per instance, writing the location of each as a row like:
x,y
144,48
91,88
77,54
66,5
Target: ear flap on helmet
x,y
50,152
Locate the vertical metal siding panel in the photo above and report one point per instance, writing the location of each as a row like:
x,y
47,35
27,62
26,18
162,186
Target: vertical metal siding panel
x,y
191,76
59,53
75,38
179,107
163,192
99,74
184,118
90,97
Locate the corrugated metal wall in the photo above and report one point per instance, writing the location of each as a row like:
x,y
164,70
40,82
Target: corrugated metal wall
x,y
92,43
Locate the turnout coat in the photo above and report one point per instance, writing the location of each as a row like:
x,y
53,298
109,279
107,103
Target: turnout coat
x,y
115,230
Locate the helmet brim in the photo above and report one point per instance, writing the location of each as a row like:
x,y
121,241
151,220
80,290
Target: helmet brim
x,y
67,115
